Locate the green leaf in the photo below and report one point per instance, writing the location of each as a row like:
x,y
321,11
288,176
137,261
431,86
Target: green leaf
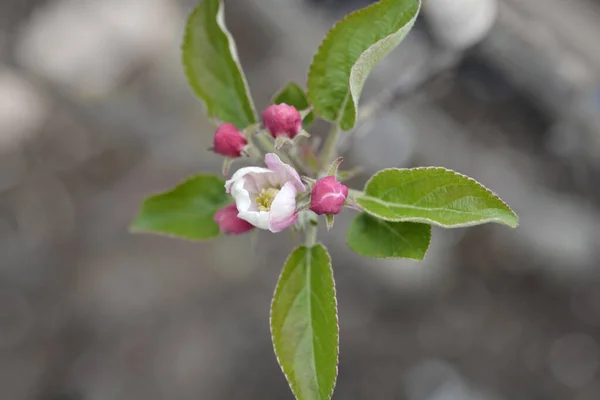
x,y
373,237
350,51
435,196
304,324
212,66
186,211
292,94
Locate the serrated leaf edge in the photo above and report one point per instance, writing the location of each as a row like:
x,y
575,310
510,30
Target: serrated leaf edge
x,y
351,93
337,320
324,42
432,222
232,49
235,56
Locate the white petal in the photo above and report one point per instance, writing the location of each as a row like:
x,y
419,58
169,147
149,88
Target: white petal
x,y
243,201
284,172
259,219
240,173
283,208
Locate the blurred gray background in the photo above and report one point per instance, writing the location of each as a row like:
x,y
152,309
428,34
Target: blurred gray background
x,y
95,114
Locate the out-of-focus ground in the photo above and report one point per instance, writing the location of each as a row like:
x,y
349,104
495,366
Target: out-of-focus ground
x,y
95,114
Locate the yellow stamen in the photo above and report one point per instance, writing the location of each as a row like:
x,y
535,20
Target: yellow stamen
x,y
265,198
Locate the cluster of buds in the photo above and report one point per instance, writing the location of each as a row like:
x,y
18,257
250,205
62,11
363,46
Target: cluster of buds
x,y
266,198
282,121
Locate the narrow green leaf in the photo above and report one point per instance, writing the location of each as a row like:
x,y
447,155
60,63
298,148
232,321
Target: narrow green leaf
x,y
374,237
350,51
186,211
292,94
304,324
435,196
212,66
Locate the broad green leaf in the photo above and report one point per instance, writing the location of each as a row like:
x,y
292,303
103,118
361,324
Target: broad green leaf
x,y
212,66
350,51
186,211
292,94
304,324
374,237
435,196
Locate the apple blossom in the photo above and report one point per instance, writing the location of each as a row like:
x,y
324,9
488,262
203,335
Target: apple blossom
x,y
266,197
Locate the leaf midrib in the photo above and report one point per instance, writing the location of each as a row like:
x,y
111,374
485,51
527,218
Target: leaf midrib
x,y
390,205
308,259
394,232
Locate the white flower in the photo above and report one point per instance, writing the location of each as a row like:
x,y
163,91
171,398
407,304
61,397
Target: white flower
x,y
266,197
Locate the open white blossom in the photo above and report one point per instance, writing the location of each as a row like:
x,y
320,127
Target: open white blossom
x,y
266,197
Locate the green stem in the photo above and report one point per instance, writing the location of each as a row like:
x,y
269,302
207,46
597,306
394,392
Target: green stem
x,y
269,147
299,164
328,154
266,143
255,153
353,193
311,235
286,156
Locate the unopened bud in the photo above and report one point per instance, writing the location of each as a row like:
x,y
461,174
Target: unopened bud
x,y
228,221
328,196
229,141
282,120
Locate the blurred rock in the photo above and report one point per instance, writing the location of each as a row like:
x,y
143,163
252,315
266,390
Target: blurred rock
x,y
90,46
23,109
460,24
574,359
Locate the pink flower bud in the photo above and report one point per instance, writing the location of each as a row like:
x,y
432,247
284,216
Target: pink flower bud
x,y
328,196
282,120
229,141
228,221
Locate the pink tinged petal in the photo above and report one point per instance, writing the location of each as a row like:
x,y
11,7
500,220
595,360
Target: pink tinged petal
x,y
259,219
284,172
242,172
255,182
283,209
281,224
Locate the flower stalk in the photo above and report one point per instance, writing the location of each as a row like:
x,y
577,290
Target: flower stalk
x,y
328,154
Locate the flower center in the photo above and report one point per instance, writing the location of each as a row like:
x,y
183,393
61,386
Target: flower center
x,y
265,198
